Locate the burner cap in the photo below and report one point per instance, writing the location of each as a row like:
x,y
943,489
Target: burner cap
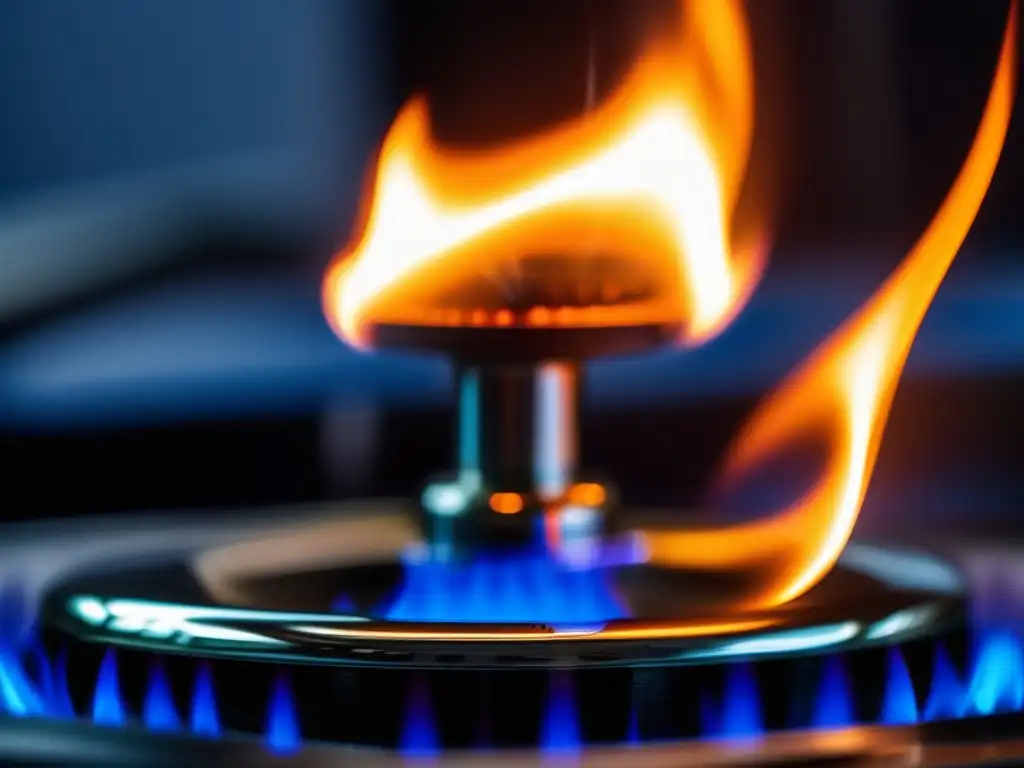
x,y
532,308
503,344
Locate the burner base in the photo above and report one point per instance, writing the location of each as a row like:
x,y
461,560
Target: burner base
x,y
193,640
358,590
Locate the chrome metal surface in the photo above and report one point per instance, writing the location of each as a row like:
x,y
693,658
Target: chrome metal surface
x,y
270,595
517,434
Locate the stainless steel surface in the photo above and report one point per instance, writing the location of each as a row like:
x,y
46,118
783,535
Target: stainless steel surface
x,y
518,426
255,608
517,435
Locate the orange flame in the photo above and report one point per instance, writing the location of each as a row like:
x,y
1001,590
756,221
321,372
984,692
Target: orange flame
x,y
651,175
848,384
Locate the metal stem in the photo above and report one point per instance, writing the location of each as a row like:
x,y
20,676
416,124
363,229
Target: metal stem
x,y
518,426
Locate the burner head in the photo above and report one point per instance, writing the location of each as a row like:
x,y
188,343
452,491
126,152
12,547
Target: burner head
x,y
360,589
274,634
516,328
532,309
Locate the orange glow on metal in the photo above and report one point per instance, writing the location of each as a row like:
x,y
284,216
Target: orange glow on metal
x,y
651,175
631,631
506,503
587,494
845,387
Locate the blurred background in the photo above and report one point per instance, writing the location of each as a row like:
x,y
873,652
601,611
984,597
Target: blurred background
x,y
174,177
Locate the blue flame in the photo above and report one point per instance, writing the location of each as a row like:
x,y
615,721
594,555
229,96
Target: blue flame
x,y
32,685
947,698
997,680
900,704
633,735
419,734
158,710
560,729
38,666
502,589
203,719
283,735
60,705
834,707
741,715
107,706
18,696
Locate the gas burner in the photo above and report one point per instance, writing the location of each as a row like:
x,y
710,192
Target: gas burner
x,y
518,601
143,667
270,598
515,560
515,603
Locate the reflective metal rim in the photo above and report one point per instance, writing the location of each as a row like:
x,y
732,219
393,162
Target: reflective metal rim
x,y
917,595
